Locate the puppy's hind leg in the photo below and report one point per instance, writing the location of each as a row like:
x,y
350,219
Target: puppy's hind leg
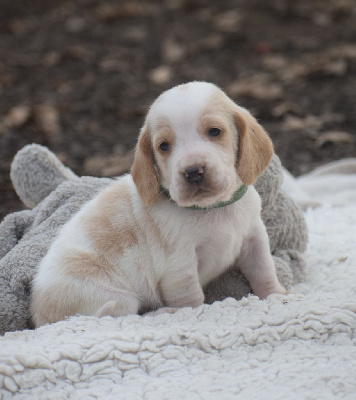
x,y
75,296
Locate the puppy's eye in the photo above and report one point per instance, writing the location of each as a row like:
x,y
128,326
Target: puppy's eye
x,y
164,146
214,132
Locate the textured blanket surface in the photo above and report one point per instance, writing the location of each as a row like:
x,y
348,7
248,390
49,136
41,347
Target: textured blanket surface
x,y
300,346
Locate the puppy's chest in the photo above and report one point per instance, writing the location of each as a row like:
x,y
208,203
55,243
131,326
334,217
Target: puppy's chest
x,y
219,246
222,241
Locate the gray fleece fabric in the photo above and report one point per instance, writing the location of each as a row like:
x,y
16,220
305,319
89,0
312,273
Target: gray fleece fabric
x,y
54,193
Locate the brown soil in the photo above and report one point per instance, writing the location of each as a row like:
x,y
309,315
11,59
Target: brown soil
x,y
78,76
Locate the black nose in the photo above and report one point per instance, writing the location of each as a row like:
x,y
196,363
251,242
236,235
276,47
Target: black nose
x,y
194,174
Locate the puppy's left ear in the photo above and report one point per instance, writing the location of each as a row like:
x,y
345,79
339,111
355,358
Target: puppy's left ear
x,y
143,170
255,148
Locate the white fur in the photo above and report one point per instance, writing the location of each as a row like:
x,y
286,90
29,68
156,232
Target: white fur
x,y
189,247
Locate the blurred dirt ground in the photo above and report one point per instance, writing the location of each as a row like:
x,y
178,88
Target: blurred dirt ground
x,y
78,76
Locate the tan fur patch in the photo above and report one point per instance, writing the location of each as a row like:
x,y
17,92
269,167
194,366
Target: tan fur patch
x,y
161,123
218,114
59,301
184,86
110,228
78,264
156,234
163,133
50,305
143,170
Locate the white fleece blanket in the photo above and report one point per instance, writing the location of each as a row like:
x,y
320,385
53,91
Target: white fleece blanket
x,y
300,346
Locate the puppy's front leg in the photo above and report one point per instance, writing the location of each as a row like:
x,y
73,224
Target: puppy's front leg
x,y
180,287
256,263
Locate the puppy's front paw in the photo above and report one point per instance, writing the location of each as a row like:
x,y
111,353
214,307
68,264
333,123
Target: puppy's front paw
x,y
163,310
198,301
265,291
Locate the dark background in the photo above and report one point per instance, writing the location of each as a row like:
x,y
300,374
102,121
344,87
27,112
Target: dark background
x,y
78,76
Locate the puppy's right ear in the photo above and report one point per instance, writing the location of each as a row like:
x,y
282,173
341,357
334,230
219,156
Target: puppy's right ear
x,y
143,170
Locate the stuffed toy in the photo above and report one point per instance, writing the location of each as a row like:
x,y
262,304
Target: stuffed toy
x,y
53,193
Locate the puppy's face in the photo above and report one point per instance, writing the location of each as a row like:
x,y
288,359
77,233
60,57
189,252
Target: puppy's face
x,y
193,142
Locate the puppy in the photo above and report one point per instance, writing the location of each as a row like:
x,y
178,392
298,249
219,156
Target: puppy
x,y
187,212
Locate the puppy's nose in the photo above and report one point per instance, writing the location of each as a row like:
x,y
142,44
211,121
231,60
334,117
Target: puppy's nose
x,y
194,174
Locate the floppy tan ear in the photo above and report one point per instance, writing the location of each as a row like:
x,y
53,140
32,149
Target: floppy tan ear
x,y
255,147
143,170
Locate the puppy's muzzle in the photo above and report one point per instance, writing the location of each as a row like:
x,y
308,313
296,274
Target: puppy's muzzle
x,y
194,174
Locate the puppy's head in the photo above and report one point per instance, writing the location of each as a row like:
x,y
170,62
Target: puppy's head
x,y
199,145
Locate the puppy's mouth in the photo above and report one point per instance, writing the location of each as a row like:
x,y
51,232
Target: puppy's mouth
x,y
201,195
198,194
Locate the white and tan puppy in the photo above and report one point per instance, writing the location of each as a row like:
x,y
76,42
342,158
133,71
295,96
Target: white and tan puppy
x,y
139,244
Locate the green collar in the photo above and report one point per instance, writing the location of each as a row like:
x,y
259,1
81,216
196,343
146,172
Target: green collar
x,y
240,192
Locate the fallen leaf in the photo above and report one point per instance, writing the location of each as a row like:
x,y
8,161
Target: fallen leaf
x,y
111,64
111,12
20,26
175,5
79,52
129,112
258,86
161,75
65,87
136,34
51,59
172,50
75,24
342,8
286,107
18,116
284,69
347,51
310,123
333,117
331,67
89,79
274,61
294,71
212,42
228,21
292,123
6,78
334,137
47,118
322,19
111,165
